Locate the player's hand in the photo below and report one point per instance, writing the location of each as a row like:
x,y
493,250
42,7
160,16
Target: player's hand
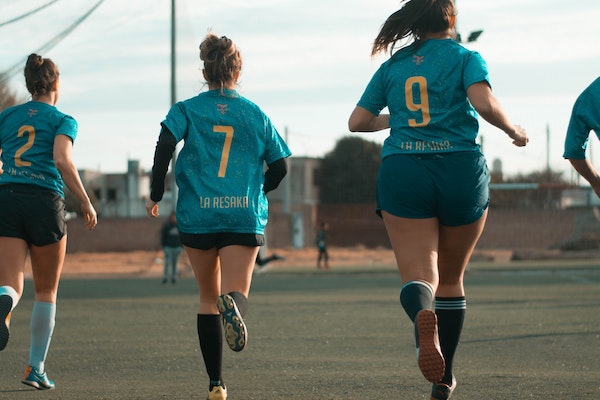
x,y
519,136
89,214
152,208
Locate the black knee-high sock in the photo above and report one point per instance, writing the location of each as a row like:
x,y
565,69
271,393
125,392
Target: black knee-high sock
x,y
241,302
210,336
416,296
451,314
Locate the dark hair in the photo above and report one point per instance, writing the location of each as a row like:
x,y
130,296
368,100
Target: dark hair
x,y
222,60
415,19
40,75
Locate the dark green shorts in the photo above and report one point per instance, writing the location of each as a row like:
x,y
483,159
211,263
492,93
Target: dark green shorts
x,y
32,213
453,187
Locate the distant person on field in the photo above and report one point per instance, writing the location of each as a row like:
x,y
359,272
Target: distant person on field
x,y
432,189
263,261
36,141
585,117
171,245
323,256
222,206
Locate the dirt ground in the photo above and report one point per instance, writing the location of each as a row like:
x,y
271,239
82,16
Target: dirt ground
x,y
149,263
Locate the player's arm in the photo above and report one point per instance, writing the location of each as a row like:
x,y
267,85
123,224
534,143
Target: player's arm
x,y
162,157
275,173
481,98
363,120
587,171
63,161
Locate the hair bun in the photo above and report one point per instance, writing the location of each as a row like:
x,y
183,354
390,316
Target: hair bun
x,y
35,60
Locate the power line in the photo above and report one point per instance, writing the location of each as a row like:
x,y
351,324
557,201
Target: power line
x,y
27,14
12,71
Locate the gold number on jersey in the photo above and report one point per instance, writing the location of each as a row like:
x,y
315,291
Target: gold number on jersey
x,y
423,102
228,131
30,139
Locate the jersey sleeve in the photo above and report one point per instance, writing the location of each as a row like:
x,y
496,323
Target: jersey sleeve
x,y
578,131
373,99
176,121
585,117
475,70
276,147
68,127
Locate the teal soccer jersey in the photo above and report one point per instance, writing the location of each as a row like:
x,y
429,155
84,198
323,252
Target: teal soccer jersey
x,y
220,169
433,115
27,133
585,117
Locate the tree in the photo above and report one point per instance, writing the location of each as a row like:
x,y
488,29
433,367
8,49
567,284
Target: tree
x,y
349,172
7,97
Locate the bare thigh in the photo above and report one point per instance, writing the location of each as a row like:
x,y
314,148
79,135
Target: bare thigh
x,y
46,264
415,245
220,271
12,262
456,245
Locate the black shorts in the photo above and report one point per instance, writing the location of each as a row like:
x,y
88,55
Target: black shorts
x,y
32,213
206,241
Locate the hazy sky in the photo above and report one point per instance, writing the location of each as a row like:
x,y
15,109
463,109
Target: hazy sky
x,y
306,63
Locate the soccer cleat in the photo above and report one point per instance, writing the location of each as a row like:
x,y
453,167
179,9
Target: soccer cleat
x,y
5,311
429,355
39,381
443,391
217,393
235,330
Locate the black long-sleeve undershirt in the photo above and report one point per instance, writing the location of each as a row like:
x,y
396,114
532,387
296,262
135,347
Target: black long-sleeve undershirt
x,y
162,157
274,175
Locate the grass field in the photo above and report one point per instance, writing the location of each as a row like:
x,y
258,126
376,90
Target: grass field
x,y
529,334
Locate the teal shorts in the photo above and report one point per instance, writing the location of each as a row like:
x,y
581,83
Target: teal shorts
x,y
453,187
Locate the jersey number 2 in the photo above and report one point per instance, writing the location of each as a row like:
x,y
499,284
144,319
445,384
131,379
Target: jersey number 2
x,y
422,105
30,139
228,131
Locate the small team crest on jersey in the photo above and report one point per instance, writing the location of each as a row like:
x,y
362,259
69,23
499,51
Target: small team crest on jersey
x,y
418,59
32,112
222,108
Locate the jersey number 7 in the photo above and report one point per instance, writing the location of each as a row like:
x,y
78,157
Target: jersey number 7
x,y
228,131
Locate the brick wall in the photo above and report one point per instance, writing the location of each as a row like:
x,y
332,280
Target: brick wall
x,y
352,225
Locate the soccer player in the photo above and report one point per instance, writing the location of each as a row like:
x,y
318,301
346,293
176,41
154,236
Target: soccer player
x,y
222,206
585,117
36,141
432,188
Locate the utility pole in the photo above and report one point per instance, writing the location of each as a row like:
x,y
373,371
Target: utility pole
x,y
173,53
287,183
173,92
548,149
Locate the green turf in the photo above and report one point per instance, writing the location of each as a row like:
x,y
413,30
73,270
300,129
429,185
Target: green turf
x,y
335,335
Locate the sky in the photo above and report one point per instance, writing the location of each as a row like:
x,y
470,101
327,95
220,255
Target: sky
x,y
306,64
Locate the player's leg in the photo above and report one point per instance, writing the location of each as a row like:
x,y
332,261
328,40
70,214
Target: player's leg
x,y
415,243
175,264
12,263
237,263
46,263
464,198
205,264
455,250
166,263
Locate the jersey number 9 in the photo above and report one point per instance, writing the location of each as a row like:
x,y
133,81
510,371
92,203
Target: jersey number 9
x,y
421,103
